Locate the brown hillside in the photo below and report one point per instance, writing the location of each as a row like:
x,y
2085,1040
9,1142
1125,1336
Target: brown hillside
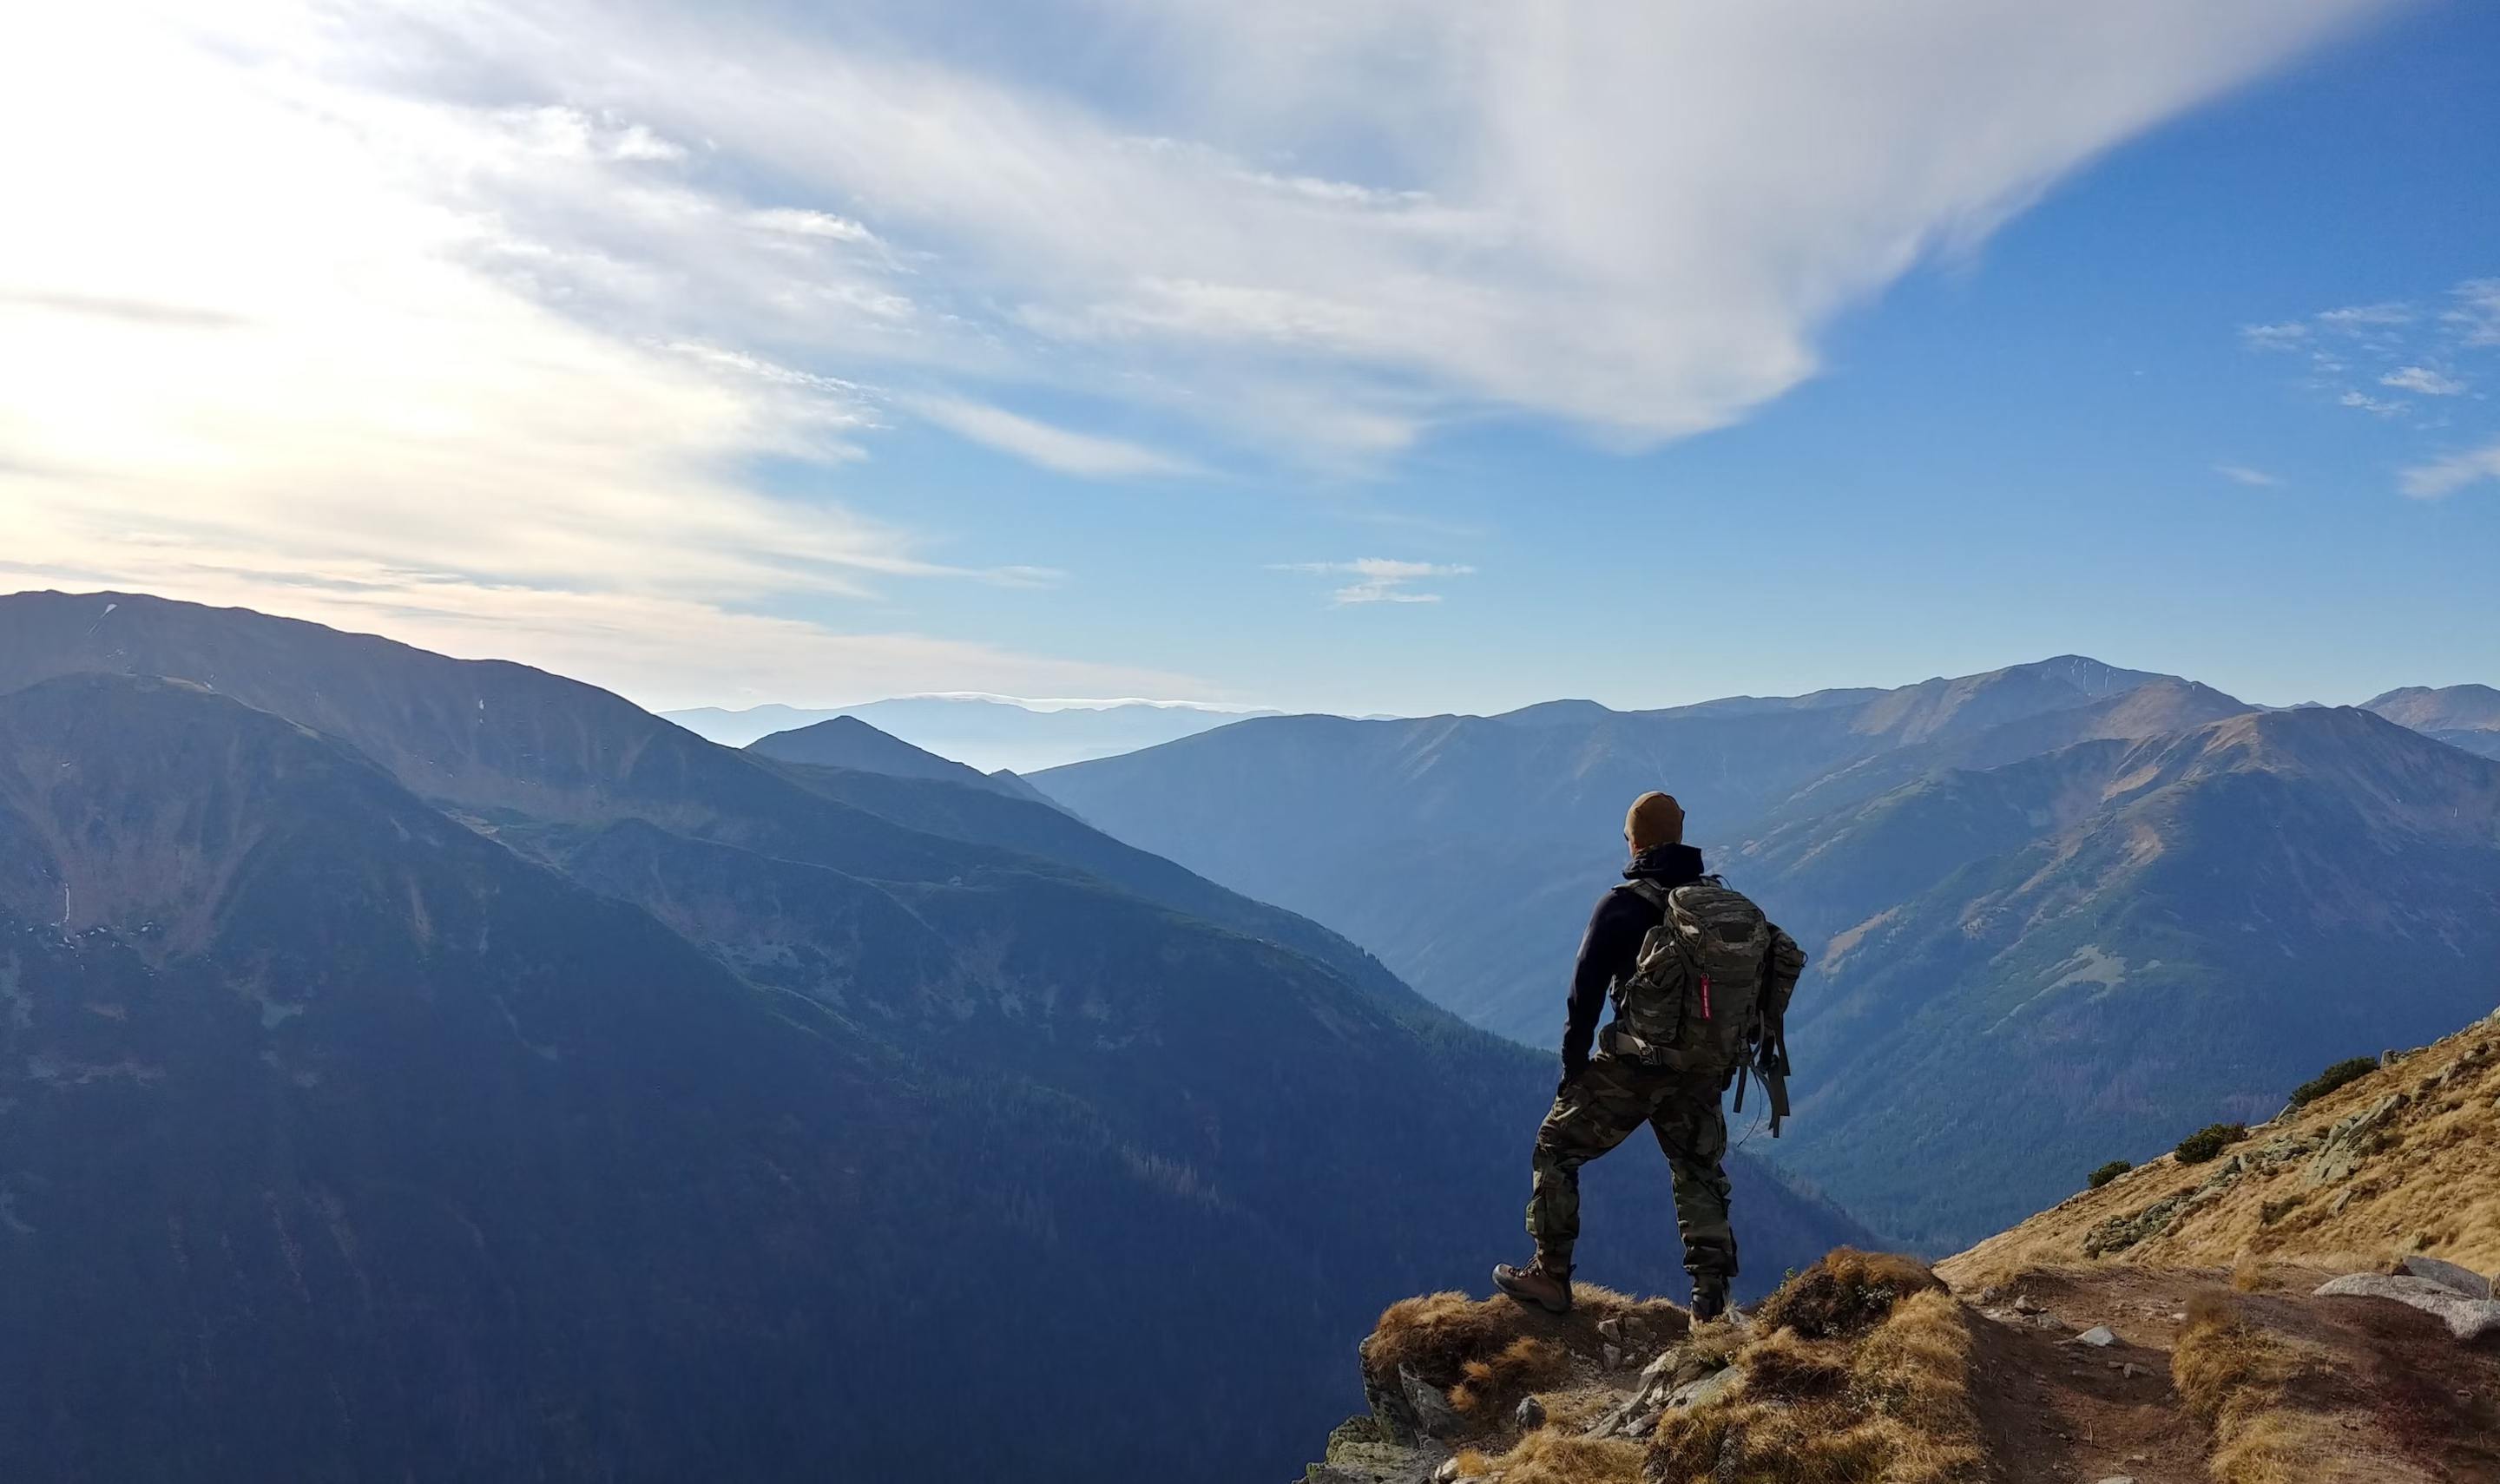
x,y
2405,1160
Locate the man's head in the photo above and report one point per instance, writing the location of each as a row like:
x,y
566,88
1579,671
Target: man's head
x,y
1656,819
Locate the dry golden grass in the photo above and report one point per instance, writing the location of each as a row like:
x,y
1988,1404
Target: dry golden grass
x,y
1575,1410
2432,1188
1892,1408
1438,1334
1551,1456
2248,1383
1789,1367
2222,1361
1491,1382
1847,1293
2232,1374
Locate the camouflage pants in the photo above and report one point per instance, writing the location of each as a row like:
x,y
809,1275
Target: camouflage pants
x,y
1599,1110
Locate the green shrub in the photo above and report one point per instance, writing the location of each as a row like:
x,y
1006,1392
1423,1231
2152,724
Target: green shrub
x,y
2206,1143
2108,1172
2334,1076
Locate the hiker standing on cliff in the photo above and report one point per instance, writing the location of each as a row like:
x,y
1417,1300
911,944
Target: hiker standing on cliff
x,y
1700,981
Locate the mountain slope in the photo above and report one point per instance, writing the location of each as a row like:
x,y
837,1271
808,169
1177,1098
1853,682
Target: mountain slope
x,y
820,1101
2100,943
303,1135
2412,1152
523,749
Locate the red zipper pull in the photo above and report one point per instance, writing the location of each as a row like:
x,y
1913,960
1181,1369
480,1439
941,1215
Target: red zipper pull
x,y
1705,996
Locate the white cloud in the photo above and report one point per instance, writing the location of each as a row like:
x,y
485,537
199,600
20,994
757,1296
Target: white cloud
x,y
1380,579
2376,407
1038,442
2369,316
2286,335
2422,379
2475,316
2254,478
2446,476
636,142
803,223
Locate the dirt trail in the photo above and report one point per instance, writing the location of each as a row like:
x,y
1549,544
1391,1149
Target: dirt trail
x,y
2405,1402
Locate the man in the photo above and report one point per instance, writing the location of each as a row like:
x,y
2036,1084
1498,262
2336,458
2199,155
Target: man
x,y
1699,981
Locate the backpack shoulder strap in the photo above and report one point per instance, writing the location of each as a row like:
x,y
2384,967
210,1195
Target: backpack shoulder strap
x,y
1648,892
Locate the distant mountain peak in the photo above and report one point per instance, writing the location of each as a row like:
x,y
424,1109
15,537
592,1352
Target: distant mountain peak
x,y
847,742
1556,713
2444,708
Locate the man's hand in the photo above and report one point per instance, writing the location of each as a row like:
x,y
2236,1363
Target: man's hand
x,y
1572,1067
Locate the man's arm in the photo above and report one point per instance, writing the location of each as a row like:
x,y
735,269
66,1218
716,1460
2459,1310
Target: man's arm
x,y
1609,949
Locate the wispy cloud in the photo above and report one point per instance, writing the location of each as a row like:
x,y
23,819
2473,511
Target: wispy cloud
x,y
2254,478
2474,313
1380,579
1035,441
2422,379
2446,476
137,311
2396,344
2369,316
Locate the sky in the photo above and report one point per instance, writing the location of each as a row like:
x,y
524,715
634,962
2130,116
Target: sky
x,y
1358,355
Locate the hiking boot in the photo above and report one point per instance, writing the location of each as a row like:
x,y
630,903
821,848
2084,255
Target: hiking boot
x,y
1536,1285
1709,1298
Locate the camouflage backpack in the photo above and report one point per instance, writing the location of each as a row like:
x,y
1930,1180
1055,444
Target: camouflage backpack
x,y
1695,1001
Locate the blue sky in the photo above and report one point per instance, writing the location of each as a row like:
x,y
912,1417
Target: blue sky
x,y
1385,357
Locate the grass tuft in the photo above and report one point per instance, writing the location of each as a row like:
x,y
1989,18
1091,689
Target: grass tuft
x,y
1489,1384
1892,1408
1847,1293
2233,1374
1550,1457
2107,1172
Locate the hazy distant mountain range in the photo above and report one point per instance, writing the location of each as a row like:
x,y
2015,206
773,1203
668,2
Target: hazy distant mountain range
x,y
987,732
423,1068
2059,911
